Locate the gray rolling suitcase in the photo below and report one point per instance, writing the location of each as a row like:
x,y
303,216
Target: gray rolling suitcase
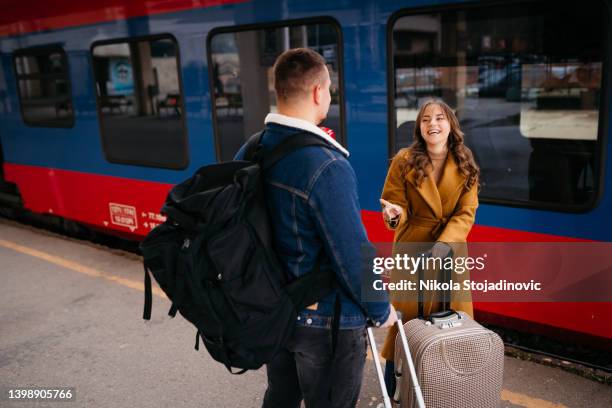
x,y
458,363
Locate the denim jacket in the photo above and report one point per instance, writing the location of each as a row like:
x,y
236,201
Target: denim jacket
x,y
312,198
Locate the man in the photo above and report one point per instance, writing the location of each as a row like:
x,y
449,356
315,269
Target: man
x,y
312,196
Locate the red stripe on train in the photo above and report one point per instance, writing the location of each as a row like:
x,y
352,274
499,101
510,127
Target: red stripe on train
x,y
131,207
124,205
377,232
29,16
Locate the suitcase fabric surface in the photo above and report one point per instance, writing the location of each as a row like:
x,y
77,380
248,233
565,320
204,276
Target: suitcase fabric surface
x,y
459,363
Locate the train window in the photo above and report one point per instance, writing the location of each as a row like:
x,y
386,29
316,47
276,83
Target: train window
x,y
525,81
242,79
44,87
140,102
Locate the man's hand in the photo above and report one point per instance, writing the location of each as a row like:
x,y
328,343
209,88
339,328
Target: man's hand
x,y
390,210
391,319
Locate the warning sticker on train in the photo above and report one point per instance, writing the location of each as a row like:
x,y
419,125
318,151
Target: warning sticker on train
x,y
123,215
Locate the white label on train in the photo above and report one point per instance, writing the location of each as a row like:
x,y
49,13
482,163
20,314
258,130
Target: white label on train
x,y
123,215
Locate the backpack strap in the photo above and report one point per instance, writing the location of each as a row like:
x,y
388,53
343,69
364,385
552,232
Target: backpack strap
x,y
253,145
311,287
200,334
294,142
148,294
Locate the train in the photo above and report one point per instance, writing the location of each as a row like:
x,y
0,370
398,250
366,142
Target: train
x,y
106,104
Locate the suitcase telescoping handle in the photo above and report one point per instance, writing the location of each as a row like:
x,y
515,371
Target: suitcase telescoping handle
x,y
446,294
381,378
413,376
379,372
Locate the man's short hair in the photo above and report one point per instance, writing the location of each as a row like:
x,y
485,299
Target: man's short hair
x,y
296,71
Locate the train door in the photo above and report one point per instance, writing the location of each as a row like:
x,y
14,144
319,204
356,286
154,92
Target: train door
x,y
9,196
8,191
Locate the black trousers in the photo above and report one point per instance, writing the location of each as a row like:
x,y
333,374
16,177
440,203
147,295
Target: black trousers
x,y
307,370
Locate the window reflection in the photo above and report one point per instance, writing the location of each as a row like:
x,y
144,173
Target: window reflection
x,y
139,100
243,81
44,87
525,81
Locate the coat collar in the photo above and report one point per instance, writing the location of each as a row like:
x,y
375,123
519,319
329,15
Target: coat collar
x,y
304,125
436,195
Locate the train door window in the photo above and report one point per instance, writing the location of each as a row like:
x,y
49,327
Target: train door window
x,y
140,102
526,83
242,78
43,85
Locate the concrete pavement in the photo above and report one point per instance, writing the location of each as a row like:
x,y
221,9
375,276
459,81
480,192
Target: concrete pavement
x,y
70,316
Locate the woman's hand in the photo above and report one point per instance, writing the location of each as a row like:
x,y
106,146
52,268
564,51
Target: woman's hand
x,y
440,250
390,211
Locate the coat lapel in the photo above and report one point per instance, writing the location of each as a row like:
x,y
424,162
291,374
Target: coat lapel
x,y
452,181
429,192
436,196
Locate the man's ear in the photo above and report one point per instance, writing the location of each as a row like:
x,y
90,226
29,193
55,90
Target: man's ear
x,y
316,94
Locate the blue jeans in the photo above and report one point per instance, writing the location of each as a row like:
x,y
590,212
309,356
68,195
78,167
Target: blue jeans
x,y
308,370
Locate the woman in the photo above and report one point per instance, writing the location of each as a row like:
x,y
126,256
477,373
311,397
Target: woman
x,y
430,195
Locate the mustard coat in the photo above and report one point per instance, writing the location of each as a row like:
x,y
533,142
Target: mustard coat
x,y
443,212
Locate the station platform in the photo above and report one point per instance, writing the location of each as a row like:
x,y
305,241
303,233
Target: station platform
x,y
70,316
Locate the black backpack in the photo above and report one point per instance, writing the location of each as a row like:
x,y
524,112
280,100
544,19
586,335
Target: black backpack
x,y
214,259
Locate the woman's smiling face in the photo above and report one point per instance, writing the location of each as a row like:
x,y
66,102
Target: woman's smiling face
x,y
435,126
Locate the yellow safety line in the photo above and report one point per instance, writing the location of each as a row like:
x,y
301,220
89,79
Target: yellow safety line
x,y
523,400
77,267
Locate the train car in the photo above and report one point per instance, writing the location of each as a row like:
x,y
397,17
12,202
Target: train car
x,y
106,104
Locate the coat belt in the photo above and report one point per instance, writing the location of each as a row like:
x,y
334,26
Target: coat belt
x,y
437,225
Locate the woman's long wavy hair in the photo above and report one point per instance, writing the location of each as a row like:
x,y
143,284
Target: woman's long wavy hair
x,y
416,156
